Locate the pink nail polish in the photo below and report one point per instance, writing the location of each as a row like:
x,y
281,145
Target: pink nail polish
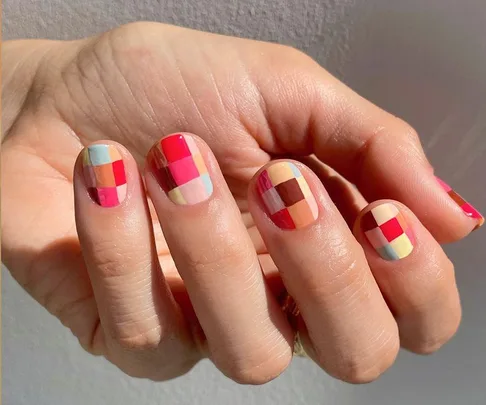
x,y
104,173
467,208
179,167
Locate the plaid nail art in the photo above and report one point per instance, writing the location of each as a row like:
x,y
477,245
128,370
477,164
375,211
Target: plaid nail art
x,y
104,173
467,208
179,168
388,232
287,196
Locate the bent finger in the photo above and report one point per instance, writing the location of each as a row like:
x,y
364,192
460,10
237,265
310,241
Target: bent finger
x,y
144,330
353,333
247,334
413,272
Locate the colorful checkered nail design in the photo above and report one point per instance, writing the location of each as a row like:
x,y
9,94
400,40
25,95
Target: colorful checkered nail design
x,y
287,196
388,232
179,167
467,208
104,173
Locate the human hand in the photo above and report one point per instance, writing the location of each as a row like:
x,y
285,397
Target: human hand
x,y
249,102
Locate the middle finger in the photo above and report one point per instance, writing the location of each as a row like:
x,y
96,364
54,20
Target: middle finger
x,y
248,336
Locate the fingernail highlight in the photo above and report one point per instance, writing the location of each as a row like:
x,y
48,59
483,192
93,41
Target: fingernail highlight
x,y
286,195
387,231
104,173
467,208
179,168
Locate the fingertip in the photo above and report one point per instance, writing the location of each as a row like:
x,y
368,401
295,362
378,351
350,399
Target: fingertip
x,y
102,168
386,227
284,191
475,218
184,168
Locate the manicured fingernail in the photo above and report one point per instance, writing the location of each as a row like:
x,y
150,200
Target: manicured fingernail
x,y
179,168
467,208
387,231
286,195
104,173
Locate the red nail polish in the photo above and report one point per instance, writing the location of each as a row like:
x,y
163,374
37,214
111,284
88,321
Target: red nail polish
x,y
467,208
177,164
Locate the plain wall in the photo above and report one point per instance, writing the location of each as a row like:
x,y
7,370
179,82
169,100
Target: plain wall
x,y
424,60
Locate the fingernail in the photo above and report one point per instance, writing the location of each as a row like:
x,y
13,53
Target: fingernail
x,y
104,173
177,164
387,231
286,195
467,208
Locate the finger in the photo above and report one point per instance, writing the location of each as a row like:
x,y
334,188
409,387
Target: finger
x,y
247,334
309,111
143,327
344,195
413,272
353,334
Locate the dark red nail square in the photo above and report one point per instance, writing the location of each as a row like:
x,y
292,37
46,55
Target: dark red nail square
x,y
93,193
368,222
165,179
290,192
175,148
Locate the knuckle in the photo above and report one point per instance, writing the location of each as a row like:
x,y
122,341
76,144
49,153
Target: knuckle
x,y
411,139
358,371
434,318
136,39
291,53
113,260
226,255
137,342
365,366
126,48
346,279
256,371
407,131
433,342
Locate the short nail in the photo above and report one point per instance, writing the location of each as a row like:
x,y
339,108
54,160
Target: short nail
x,y
104,173
387,231
177,164
467,208
286,195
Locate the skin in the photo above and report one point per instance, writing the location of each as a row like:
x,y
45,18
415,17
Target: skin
x,y
249,102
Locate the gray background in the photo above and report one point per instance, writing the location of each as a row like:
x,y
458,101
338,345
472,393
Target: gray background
x,y
424,60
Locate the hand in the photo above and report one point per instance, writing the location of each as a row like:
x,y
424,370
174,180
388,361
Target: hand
x,y
248,102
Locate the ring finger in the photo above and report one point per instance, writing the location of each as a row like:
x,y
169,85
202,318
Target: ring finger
x,y
413,272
